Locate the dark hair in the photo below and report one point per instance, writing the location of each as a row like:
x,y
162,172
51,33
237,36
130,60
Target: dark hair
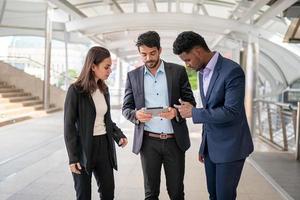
x,y
187,40
86,80
149,39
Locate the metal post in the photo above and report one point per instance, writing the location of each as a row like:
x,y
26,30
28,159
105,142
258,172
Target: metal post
x,y
270,123
119,66
66,77
48,40
3,6
298,133
251,70
294,118
284,136
259,119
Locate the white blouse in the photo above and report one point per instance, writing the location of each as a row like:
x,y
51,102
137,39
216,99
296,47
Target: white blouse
x,y
101,109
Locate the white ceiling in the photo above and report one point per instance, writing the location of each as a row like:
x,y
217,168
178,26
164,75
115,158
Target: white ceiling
x,y
116,24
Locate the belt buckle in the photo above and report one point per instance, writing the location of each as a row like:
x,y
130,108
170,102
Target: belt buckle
x,y
163,136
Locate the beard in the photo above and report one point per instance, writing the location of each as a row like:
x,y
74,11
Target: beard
x,y
151,63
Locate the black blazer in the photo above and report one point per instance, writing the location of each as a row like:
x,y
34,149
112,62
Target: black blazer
x,y
134,99
79,119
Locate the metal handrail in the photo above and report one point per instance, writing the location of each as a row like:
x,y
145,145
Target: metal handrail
x,y
297,135
277,124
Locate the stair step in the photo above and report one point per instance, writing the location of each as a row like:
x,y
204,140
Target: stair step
x,y
6,86
21,99
41,106
3,83
17,105
9,105
7,90
52,110
4,100
14,94
13,120
32,102
16,111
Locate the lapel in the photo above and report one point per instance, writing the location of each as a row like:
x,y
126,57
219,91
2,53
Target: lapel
x,y
92,102
140,83
200,78
168,70
107,100
214,77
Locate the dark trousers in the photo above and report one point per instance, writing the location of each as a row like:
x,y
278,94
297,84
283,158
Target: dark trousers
x,y
155,153
222,178
102,170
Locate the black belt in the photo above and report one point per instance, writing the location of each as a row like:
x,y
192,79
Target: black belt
x,y
161,136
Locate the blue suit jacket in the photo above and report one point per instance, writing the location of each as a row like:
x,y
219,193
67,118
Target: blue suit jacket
x,y
225,129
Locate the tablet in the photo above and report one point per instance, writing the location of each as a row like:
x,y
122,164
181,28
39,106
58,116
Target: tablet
x,y
155,111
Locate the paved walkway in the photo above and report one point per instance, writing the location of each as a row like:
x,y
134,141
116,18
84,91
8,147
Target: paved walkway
x,y
33,166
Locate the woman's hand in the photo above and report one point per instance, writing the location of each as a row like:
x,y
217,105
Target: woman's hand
x,y
75,168
123,142
201,158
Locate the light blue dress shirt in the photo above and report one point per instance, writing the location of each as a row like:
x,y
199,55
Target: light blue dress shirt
x,y
156,95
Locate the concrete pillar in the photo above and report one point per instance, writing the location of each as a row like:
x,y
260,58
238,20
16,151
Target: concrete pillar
x,y
66,77
48,41
252,55
298,133
120,81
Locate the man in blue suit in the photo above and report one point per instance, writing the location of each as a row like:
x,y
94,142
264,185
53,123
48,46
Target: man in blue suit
x,y
226,138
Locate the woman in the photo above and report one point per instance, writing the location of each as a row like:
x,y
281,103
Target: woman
x,y
88,129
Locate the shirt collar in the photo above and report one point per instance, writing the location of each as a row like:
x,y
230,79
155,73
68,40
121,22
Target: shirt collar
x,y
161,68
212,63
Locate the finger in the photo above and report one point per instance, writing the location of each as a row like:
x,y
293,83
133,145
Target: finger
x,y
177,106
121,141
181,102
125,142
74,170
201,158
148,115
78,166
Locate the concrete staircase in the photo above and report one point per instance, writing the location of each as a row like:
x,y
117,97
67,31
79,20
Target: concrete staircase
x,y
17,105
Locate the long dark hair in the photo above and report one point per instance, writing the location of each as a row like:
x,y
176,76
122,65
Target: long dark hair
x,y
86,81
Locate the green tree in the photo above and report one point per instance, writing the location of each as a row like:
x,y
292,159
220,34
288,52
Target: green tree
x,y
192,75
72,74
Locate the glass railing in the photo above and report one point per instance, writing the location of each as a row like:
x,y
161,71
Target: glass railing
x,y
276,123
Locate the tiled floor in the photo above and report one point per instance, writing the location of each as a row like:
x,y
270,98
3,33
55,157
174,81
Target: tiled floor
x,y
33,166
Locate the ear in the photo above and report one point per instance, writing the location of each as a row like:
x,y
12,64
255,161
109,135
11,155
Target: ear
x,y
94,67
159,51
198,49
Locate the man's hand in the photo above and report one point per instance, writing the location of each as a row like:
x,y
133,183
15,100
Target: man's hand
x,y
75,168
123,142
142,116
185,108
201,158
172,112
